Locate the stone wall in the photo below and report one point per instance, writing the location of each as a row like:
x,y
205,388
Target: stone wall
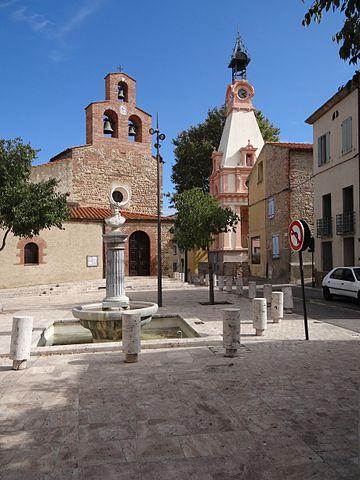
x,y
60,170
97,168
288,174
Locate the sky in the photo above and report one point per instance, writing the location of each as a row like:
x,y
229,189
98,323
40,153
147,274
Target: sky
x,y
54,56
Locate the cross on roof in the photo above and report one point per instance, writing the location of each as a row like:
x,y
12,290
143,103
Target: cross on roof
x,y
120,68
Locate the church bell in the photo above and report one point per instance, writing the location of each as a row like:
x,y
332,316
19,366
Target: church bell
x,y
121,93
132,130
107,127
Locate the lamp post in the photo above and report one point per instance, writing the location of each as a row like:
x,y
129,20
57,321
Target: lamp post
x,y
159,137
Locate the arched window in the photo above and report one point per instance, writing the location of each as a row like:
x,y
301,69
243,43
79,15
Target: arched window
x,y
110,127
123,93
31,254
135,129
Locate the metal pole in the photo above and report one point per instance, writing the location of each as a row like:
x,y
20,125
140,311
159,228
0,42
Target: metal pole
x,y
303,295
159,265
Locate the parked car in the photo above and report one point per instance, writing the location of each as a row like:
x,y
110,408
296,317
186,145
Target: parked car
x,y
344,281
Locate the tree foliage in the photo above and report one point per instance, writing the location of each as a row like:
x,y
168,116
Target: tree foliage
x,y
194,147
199,218
26,208
349,35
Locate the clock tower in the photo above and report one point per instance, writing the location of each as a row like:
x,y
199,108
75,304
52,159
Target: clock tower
x,y
240,145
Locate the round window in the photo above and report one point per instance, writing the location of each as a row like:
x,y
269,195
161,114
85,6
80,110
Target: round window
x,y
117,196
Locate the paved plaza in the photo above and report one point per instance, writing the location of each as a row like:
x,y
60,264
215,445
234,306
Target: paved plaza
x,y
282,409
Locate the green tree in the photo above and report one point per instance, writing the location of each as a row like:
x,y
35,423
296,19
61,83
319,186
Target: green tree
x,y
194,147
26,208
199,218
349,35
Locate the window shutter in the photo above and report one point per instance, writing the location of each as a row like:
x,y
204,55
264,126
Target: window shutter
x,y
275,246
319,152
327,148
349,133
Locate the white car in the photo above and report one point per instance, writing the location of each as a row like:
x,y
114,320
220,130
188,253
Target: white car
x,y
344,281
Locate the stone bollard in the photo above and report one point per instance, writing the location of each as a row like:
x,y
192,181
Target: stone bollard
x,y
202,278
228,284
277,310
207,280
20,345
288,299
252,290
231,331
239,286
182,277
131,330
267,293
259,315
221,282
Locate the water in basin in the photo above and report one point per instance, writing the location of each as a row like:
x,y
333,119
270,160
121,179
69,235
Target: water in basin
x,y
71,332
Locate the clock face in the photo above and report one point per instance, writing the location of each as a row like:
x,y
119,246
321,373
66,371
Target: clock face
x,y
242,93
123,110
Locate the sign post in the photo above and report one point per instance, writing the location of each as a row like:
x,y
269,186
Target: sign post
x,y
299,239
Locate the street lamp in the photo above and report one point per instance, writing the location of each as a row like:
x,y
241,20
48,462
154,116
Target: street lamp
x,y
159,137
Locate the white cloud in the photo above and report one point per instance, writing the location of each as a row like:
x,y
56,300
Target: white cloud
x,y
57,32
37,22
7,3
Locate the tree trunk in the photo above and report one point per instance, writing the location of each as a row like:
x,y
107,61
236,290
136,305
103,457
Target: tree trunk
x,y
4,239
211,279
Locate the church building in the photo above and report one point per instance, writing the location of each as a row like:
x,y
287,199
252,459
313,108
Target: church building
x,y
240,146
116,160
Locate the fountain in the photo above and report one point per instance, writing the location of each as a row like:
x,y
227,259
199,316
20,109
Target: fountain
x,y
104,320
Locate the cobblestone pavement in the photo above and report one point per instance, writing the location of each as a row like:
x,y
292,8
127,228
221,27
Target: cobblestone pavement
x,y
280,410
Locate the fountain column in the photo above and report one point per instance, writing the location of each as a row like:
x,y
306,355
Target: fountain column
x,y
115,253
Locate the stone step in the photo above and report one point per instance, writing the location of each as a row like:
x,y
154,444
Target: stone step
x,y
131,283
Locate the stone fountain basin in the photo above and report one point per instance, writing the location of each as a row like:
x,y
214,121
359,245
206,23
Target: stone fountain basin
x,y
107,324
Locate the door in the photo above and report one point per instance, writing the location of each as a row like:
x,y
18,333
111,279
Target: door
x,y
349,252
139,254
348,283
335,281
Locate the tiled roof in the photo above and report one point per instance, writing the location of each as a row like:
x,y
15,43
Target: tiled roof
x,y
292,145
97,213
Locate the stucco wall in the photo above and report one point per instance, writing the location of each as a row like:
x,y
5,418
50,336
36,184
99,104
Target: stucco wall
x,y
340,172
64,257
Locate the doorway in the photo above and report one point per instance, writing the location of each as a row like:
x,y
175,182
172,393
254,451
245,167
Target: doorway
x,y
139,254
349,252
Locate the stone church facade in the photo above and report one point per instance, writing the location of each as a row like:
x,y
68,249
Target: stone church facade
x,y
117,157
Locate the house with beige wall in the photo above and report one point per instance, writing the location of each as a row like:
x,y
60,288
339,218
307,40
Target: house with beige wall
x,y
336,179
280,190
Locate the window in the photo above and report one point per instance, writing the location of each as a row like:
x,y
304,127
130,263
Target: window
x,y
249,160
31,254
271,208
174,267
346,130
135,129
275,246
255,250
324,149
260,172
348,275
174,249
337,274
357,273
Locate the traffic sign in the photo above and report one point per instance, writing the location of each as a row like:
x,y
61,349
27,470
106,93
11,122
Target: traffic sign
x,y
299,235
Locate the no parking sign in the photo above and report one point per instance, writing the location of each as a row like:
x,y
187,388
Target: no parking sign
x,y
299,235
299,240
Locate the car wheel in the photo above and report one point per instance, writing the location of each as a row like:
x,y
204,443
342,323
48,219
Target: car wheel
x,y
326,293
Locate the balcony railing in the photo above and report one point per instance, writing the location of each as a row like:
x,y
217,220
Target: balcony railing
x,y
345,223
324,227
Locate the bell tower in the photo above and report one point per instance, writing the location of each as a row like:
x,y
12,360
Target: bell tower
x,y
240,145
117,120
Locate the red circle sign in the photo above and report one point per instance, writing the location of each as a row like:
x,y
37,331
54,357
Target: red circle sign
x,y
296,235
